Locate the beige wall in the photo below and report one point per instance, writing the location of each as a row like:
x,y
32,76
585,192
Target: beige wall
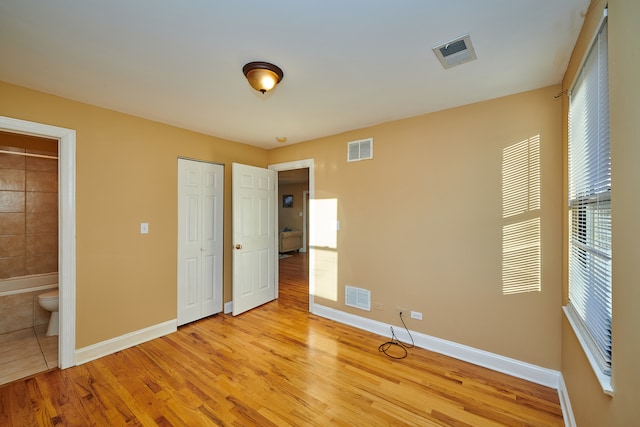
x,y
126,173
291,217
421,223
591,406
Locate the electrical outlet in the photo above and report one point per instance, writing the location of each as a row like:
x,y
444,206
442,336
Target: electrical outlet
x,y
402,311
416,315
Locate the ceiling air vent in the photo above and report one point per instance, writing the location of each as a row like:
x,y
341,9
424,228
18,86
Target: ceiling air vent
x,y
455,52
360,150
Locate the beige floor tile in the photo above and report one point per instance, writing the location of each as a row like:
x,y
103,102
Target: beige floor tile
x,y
23,367
49,346
20,356
26,352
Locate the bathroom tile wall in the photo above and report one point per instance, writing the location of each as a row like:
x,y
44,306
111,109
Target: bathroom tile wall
x,y
28,207
22,311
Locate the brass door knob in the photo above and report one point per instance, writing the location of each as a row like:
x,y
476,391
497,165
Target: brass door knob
x,y
238,246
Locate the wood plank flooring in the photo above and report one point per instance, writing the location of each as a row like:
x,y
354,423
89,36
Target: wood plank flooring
x,y
276,365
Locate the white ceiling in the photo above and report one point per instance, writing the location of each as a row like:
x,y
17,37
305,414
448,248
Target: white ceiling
x,y
347,64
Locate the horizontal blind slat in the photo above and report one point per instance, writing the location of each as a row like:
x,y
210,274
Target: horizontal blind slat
x,y
589,188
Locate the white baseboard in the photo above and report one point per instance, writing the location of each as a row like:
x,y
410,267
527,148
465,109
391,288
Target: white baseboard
x,y
104,348
565,404
536,374
228,307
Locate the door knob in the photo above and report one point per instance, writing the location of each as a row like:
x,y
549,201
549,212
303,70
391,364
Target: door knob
x,y
238,246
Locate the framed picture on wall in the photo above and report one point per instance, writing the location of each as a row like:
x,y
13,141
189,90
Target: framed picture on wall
x,y
287,201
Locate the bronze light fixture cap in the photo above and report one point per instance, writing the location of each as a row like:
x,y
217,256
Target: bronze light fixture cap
x,y
262,76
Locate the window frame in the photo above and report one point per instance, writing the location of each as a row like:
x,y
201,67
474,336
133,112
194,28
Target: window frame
x,y
579,234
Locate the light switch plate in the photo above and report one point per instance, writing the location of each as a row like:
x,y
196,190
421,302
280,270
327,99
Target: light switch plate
x,y
144,228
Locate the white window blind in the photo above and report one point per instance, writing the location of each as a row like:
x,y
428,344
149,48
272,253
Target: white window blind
x,y
590,204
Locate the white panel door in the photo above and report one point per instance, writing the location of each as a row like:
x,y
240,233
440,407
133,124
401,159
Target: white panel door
x,y
254,237
200,209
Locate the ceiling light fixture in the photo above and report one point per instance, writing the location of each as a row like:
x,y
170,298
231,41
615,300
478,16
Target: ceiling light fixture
x,y
262,76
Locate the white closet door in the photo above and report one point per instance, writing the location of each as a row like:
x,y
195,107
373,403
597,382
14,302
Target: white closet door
x,y
200,210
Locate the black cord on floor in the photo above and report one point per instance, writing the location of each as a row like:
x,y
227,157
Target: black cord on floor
x,y
395,342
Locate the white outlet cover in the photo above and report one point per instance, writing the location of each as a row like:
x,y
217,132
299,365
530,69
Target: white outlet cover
x,y
144,228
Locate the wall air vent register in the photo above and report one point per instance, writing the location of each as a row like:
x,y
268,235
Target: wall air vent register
x,y
360,150
357,297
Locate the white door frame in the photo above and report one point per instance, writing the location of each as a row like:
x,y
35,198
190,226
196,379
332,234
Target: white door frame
x,y
300,164
305,212
66,227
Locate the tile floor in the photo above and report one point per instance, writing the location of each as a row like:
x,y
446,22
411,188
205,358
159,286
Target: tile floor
x,y
27,352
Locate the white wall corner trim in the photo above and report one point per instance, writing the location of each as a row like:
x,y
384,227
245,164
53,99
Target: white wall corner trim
x,y
565,404
104,348
496,362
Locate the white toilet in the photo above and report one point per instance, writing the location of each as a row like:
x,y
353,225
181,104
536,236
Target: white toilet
x,y
49,301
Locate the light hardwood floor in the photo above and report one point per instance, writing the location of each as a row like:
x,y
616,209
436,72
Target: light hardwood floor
x,y
276,365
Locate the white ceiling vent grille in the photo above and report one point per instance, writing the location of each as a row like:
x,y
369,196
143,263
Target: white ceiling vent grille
x,y
360,150
455,52
358,298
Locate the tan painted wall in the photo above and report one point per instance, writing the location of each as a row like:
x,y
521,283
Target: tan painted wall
x,y
591,406
291,217
126,174
421,223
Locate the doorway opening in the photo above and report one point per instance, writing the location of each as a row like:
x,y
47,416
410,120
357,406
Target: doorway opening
x,y
28,254
295,179
66,227
293,193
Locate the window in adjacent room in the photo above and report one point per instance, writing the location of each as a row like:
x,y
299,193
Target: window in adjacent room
x,y
589,309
